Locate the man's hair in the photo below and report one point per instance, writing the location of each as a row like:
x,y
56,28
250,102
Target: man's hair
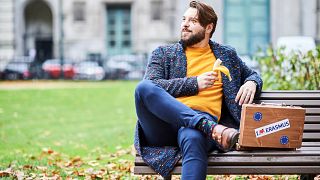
x,y
206,14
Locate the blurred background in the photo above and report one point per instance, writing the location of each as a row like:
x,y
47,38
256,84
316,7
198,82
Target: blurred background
x,y
112,39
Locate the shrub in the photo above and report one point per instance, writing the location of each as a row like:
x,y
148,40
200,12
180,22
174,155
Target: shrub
x,y
294,71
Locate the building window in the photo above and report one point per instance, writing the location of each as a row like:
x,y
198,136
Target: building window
x,y
156,9
126,43
79,12
112,43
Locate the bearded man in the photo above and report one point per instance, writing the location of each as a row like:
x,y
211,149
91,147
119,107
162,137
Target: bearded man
x,y
186,109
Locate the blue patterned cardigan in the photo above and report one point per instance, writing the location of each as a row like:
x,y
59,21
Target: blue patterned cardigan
x,y
167,67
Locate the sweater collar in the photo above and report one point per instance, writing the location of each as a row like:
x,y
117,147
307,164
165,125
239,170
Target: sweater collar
x,y
213,45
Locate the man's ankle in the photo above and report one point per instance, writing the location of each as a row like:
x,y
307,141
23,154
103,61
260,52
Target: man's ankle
x,y
206,126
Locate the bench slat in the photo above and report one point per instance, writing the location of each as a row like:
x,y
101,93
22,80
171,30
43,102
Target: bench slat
x,y
262,169
314,111
310,148
279,95
307,136
312,127
304,145
303,103
292,91
306,153
310,144
266,152
241,161
312,119
242,170
254,160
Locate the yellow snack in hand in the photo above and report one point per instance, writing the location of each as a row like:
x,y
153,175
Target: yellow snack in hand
x,y
218,67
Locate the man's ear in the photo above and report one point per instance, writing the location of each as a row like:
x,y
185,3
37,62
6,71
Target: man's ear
x,y
209,28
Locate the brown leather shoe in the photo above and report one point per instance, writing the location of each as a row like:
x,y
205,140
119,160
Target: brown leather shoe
x,y
225,137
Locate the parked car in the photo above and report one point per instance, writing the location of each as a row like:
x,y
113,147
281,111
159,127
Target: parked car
x,y
17,70
125,67
88,70
52,69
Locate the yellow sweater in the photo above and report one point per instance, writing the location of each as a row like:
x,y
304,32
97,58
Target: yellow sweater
x,y
201,60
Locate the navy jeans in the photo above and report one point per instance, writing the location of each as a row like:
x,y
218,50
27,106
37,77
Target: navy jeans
x,y
167,122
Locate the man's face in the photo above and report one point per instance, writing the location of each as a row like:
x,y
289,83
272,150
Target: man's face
x,y
191,30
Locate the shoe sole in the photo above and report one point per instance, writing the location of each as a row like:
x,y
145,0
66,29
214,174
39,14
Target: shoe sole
x,y
233,141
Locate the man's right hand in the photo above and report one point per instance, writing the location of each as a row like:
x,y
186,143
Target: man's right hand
x,y
207,79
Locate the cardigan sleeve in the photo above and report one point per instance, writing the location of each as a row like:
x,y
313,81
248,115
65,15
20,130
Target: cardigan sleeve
x,y
158,70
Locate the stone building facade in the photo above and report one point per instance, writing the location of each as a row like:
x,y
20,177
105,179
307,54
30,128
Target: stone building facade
x,y
104,28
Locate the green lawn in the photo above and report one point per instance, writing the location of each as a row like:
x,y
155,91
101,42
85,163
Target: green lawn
x,y
88,121
66,130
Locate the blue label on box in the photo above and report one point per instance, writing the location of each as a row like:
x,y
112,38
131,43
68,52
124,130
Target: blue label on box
x,y
257,116
284,140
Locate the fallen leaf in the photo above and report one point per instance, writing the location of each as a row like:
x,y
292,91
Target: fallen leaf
x,y
80,173
67,164
76,159
93,163
5,174
47,150
27,166
111,166
42,168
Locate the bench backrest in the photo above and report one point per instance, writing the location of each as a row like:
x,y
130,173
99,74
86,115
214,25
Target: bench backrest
x,y
306,99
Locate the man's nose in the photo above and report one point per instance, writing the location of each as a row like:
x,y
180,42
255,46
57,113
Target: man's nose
x,y
185,23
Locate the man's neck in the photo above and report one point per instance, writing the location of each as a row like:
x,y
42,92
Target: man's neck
x,y
202,44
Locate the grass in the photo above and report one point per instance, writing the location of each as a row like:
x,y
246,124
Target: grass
x,y
71,130
75,120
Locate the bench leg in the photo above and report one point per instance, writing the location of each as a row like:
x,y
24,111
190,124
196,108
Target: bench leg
x,y
307,176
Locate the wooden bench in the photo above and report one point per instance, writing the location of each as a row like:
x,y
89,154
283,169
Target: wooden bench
x,y
304,161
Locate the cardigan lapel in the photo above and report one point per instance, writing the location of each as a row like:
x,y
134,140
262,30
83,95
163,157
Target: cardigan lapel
x,y
219,55
229,93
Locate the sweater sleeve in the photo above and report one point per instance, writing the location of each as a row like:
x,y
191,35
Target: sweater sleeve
x,y
157,71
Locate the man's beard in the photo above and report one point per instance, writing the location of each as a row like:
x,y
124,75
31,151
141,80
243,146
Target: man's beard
x,y
193,39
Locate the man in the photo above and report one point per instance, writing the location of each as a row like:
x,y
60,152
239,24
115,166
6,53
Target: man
x,y
181,100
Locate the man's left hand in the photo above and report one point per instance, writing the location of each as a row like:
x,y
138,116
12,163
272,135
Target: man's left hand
x,y
246,93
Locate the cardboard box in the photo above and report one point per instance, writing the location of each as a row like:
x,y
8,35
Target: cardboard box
x,y
272,126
